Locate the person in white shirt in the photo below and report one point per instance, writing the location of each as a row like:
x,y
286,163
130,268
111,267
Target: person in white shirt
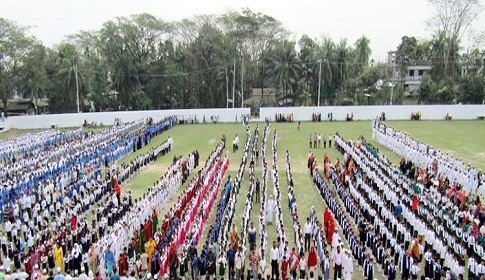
x,y
238,262
262,264
270,207
472,268
308,233
274,256
222,264
415,270
302,265
348,265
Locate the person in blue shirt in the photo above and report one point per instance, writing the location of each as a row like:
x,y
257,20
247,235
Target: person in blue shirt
x,y
231,256
398,211
195,265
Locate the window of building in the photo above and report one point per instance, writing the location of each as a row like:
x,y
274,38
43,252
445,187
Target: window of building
x,y
406,88
411,73
420,72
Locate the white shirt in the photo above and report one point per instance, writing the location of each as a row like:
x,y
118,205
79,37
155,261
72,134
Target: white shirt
x,y
238,261
308,228
302,264
415,269
274,254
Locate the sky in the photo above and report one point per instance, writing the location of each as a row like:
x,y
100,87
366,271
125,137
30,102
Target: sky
x,y
384,22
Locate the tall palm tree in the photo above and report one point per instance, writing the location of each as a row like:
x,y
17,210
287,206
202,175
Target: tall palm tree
x,y
344,54
438,54
328,55
362,52
69,61
287,67
309,63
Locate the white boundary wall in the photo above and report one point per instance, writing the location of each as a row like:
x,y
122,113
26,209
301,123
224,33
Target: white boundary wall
x,y
401,112
108,118
428,112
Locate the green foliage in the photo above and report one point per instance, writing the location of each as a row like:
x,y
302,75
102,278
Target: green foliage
x,y
440,93
15,45
305,98
143,62
140,100
473,89
427,90
362,53
287,69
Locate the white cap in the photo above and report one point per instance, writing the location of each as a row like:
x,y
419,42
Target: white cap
x,y
149,275
58,270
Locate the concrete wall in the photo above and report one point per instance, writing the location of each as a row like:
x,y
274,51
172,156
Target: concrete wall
x,y
108,118
429,112
402,112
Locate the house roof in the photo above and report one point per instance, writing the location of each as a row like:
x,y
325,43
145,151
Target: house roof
x,y
22,104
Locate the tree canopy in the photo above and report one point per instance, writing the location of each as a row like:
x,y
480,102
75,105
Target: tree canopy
x,y
142,62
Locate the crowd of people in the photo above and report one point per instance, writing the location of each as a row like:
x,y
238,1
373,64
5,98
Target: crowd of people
x,y
316,117
428,165
408,225
283,117
65,215
315,141
53,179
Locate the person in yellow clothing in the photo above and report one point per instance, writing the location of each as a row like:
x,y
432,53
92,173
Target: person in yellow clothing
x,y
59,257
150,246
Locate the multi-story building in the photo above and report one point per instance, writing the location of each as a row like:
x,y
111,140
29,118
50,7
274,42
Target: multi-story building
x,y
413,75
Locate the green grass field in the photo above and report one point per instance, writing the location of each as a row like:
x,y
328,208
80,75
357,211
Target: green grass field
x,y
462,138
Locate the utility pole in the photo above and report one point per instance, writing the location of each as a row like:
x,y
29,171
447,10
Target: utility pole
x,y
242,82
319,81
392,78
77,87
227,88
233,82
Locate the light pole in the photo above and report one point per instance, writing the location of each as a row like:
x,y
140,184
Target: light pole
x,y
392,92
319,81
77,88
392,79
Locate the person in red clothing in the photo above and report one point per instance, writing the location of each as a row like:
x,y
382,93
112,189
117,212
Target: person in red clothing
x,y
123,263
331,230
327,217
415,203
118,191
312,260
73,223
136,243
284,268
113,181
150,228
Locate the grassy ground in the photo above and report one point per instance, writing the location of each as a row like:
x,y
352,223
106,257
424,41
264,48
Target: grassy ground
x,y
463,138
